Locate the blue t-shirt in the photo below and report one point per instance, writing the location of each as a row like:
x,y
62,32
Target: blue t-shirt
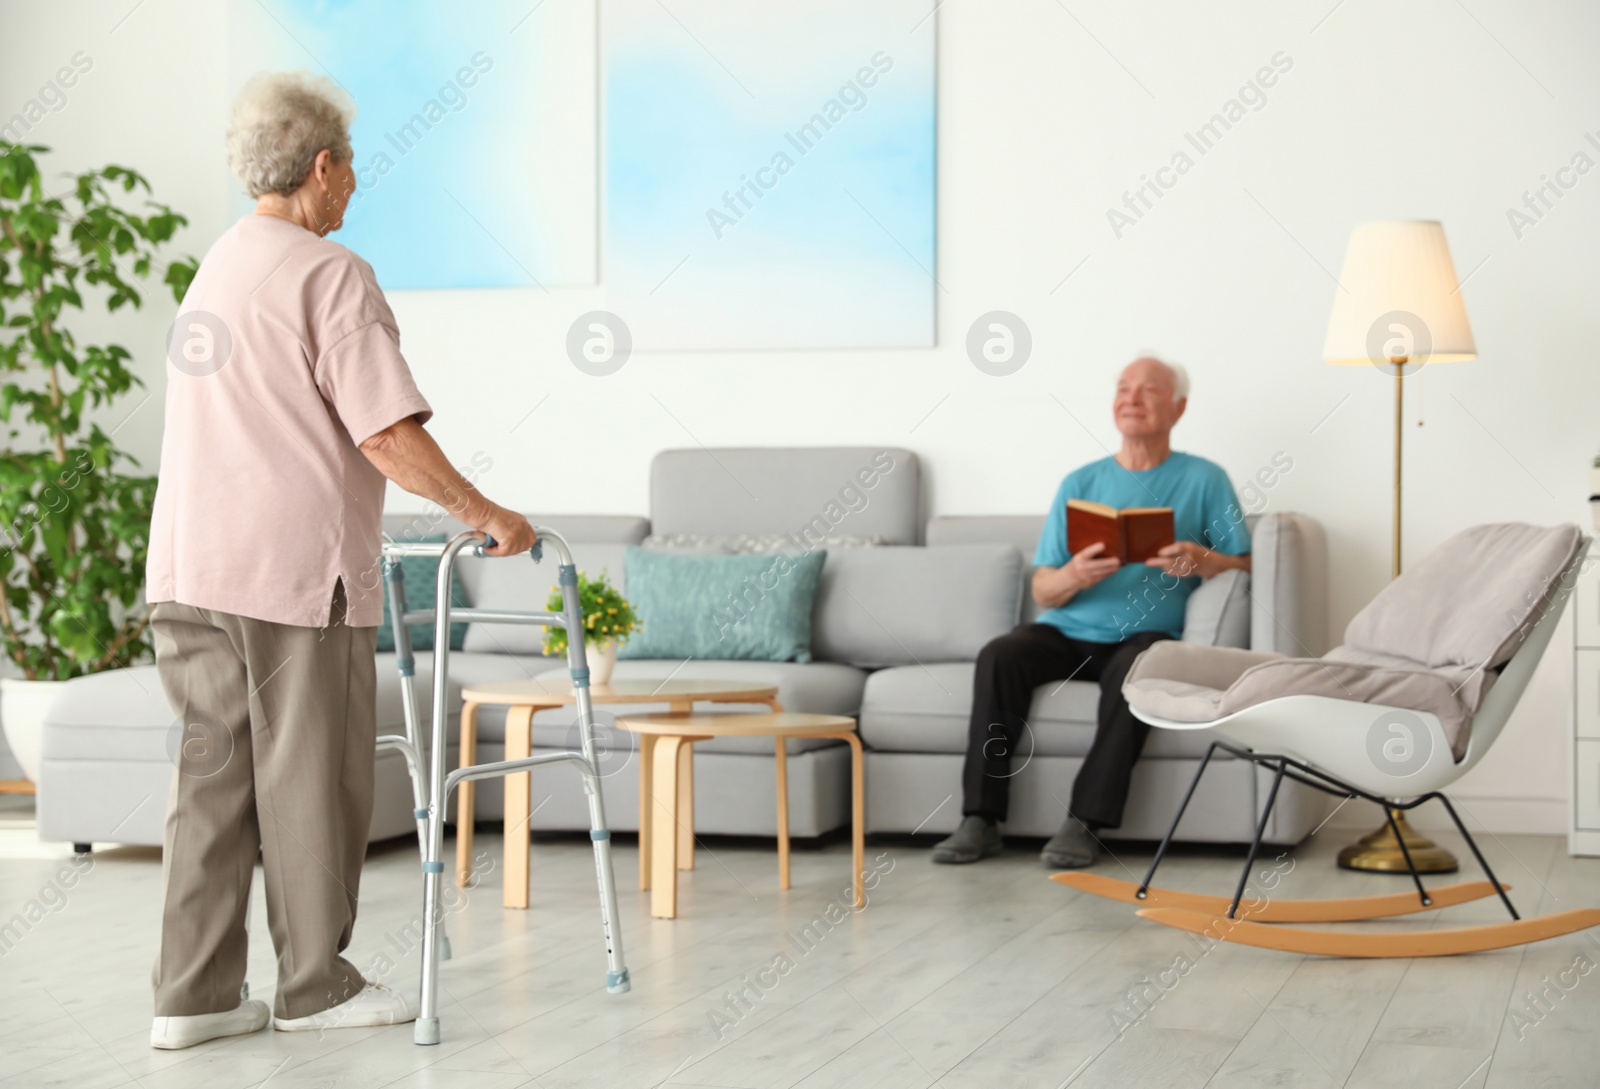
x,y
1138,598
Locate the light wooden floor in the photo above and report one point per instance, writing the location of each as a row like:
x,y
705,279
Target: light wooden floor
x,y
983,976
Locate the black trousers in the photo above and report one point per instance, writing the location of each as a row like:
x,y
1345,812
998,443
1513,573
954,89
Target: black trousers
x,y
1009,669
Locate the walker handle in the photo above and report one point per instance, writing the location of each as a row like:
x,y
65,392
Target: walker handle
x,y
537,551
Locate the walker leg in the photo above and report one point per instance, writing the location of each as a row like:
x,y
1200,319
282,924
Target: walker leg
x,y
427,1026
405,662
617,981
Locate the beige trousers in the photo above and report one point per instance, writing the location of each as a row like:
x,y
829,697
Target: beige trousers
x,y
274,752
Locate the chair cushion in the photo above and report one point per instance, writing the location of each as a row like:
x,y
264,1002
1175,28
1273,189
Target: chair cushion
x,y
1431,641
901,606
1188,683
1471,601
927,708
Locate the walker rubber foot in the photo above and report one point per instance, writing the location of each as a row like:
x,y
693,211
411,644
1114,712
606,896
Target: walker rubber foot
x,y
617,982
426,1031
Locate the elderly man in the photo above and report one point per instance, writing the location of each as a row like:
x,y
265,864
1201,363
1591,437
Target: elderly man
x,y
1098,616
288,404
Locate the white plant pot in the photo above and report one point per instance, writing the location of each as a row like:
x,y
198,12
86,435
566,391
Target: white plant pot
x,y
602,659
23,705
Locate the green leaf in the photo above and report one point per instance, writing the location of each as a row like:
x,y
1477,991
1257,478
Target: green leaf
x,y
78,529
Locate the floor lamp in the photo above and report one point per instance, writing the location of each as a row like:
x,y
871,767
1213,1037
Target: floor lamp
x,y
1398,307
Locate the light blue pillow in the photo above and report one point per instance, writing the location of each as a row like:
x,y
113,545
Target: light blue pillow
x,y
754,607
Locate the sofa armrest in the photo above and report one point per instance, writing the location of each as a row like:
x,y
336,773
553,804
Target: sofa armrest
x,y
1289,585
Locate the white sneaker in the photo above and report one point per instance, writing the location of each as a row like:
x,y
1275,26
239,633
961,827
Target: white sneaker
x,y
172,1033
375,1005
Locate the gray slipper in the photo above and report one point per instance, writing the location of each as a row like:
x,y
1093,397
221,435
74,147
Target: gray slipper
x,y
1072,848
975,839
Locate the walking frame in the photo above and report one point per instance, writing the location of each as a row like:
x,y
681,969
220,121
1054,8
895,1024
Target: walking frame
x,y
431,787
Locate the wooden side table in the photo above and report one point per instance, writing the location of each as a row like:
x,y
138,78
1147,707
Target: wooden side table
x,y
525,698
665,822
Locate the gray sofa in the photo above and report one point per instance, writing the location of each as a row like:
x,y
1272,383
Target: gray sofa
x,y
914,720
895,631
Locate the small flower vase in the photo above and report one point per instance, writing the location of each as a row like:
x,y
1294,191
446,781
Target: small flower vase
x,y
602,659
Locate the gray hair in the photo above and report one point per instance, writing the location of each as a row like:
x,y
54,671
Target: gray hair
x,y
280,121
1180,374
1180,380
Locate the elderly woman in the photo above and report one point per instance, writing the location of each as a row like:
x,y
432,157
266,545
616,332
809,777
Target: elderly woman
x,y
288,404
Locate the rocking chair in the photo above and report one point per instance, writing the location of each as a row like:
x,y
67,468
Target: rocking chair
x,y
1427,678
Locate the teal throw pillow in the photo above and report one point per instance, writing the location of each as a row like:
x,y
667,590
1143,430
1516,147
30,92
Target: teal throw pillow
x,y
755,607
422,581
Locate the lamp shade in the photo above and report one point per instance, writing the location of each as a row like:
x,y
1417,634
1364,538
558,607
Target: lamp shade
x,y
1398,298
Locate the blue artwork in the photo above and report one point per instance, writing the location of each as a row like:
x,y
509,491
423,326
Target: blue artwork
x,y
475,136
769,173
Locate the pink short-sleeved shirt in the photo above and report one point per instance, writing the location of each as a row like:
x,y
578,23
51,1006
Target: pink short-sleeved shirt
x,y
284,358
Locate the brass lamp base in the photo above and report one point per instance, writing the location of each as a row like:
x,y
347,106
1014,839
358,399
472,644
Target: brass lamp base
x,y
1379,852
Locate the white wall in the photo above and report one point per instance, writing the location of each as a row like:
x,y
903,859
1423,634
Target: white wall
x,y
1428,109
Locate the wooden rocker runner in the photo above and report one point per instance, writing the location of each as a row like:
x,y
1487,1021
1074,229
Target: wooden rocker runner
x,y
1427,678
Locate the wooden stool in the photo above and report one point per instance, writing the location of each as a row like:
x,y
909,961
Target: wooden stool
x,y
525,698
665,820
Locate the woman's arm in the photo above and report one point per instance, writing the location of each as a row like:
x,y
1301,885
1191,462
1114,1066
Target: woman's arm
x,y
406,454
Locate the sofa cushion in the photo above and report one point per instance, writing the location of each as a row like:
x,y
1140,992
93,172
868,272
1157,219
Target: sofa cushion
x,y
810,492
928,708
751,607
901,606
1217,613
1020,531
118,715
744,544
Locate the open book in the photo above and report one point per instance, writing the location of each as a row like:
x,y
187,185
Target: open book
x,y
1132,535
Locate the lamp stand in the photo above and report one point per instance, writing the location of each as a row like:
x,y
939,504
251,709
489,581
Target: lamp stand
x,y
1380,851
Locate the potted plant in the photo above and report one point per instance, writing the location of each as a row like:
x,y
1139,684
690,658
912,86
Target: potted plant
x,y
608,620
74,521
